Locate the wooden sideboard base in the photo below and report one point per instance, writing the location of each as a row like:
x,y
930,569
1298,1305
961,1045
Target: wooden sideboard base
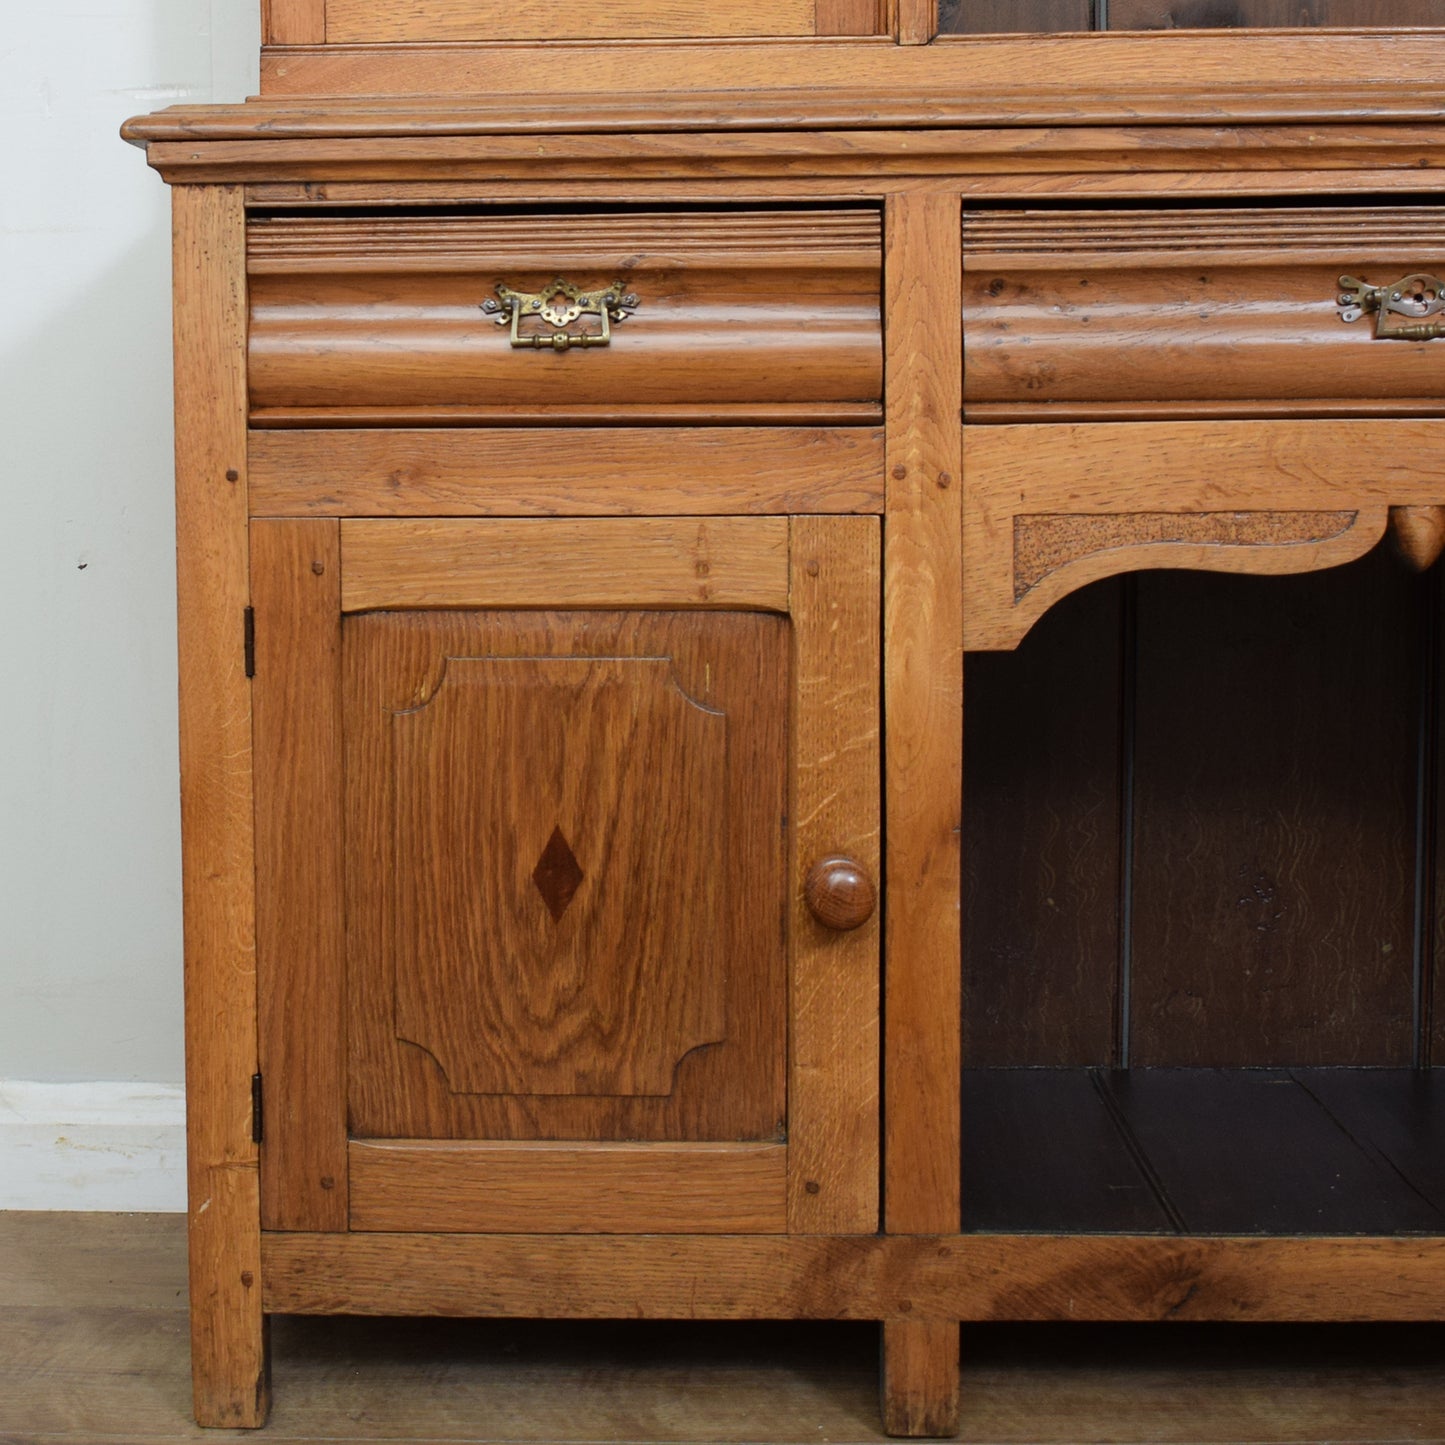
x,y
900,1278
700,603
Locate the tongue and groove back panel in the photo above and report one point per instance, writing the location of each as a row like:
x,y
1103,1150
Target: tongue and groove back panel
x,y
1198,811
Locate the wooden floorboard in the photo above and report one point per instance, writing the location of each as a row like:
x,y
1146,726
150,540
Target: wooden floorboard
x,y
93,1352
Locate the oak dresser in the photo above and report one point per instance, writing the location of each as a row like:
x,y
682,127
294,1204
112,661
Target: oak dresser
x,y
602,430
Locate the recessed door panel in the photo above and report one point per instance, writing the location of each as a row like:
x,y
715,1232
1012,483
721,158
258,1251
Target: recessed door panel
x,y
565,873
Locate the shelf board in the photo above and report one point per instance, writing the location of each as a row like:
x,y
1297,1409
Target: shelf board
x,y
1317,1151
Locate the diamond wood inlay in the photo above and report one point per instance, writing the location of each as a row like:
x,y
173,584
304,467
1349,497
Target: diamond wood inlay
x,y
558,875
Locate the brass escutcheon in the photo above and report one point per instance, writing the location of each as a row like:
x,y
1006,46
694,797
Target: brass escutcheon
x,y
1413,297
558,305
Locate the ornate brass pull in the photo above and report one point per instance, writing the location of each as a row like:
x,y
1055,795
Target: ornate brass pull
x,y
1415,297
559,304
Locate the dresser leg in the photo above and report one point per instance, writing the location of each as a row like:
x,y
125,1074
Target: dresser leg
x,y
920,1378
230,1390
230,1339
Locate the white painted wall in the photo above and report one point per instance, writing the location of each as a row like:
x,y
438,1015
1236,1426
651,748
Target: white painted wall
x,y
90,942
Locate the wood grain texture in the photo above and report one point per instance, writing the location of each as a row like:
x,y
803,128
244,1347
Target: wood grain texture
x,y
580,416
902,1278
1189,306
1044,544
92,1312
364,22
733,307
1211,465
840,893
919,1391
598,471
851,17
443,1187
917,21
1200,72
923,703
1122,1277
598,973
293,22
837,164
613,1277
300,872
1275,796
649,1002
833,1044
1418,534
873,101
1042,837
714,562
826,238
228,1343
1279,170
1178,467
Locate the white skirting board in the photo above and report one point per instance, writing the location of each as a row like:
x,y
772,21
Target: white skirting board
x,y
92,1146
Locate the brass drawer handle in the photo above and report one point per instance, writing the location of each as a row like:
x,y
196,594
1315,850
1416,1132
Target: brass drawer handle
x,y
559,304
1414,297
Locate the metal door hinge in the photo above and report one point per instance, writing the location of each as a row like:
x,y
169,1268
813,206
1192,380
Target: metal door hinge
x,y
256,1129
249,633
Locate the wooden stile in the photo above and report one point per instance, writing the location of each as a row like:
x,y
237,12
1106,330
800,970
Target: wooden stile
x,y
300,913
293,22
923,691
833,1103
228,1341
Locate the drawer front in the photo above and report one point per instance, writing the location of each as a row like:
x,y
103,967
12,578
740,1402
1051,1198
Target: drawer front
x,y
1076,315
465,318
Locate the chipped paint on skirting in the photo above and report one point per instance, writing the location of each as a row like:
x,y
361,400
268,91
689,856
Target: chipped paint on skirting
x,y
110,1146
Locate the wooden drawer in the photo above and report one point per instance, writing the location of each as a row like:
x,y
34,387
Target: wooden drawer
x,y
730,315
1083,315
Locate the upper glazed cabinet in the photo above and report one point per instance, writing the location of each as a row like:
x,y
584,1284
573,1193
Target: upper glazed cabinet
x,y
362,22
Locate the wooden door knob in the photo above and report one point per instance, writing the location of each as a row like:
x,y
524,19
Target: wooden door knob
x,y
839,893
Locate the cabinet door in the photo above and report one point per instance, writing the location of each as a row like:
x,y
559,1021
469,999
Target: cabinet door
x,y
537,802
